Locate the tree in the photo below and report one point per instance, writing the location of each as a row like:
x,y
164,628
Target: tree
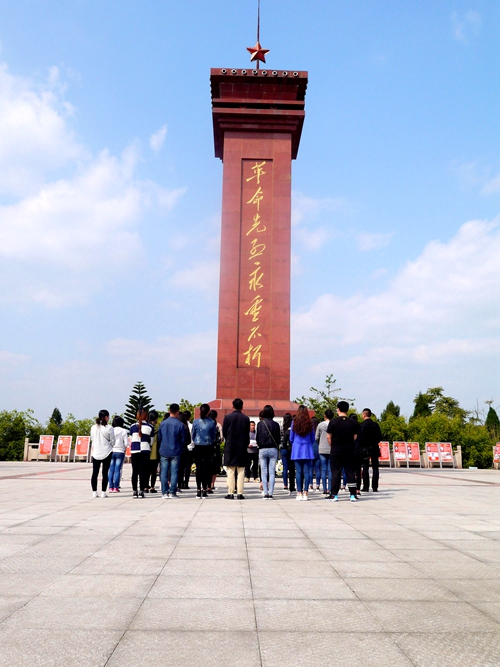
x,y
492,422
422,406
138,399
324,399
56,417
391,409
14,428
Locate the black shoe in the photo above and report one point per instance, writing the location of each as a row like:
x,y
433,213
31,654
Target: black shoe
x,y
240,496
375,490
230,496
153,491
146,490
209,491
364,490
204,494
135,494
141,495
270,497
198,494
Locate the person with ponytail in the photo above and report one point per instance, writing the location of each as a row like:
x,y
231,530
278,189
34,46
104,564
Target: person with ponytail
x,y
141,434
204,438
102,437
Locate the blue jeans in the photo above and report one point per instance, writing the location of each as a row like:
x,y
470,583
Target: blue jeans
x,y
169,467
326,472
267,458
303,474
115,469
284,460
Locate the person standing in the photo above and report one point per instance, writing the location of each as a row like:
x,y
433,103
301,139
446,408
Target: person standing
x,y
118,454
252,467
204,435
342,432
216,456
302,439
102,437
154,456
268,441
324,452
286,452
370,437
171,437
141,434
358,459
236,433
186,461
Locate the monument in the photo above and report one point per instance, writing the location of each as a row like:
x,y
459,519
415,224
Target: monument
x,y
258,116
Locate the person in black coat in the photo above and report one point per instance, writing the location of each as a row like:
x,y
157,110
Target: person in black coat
x,y
369,437
236,434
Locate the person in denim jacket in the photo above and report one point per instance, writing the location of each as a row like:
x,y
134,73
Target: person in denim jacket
x,y
204,436
302,439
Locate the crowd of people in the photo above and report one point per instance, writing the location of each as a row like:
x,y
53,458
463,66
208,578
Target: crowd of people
x,y
335,453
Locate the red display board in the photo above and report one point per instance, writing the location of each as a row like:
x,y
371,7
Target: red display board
x,y
496,453
399,449
446,452
413,449
82,445
385,453
45,445
432,451
64,445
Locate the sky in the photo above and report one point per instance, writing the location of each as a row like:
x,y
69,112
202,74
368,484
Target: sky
x,y
110,198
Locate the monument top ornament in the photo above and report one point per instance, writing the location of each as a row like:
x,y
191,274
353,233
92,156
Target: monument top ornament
x,y
257,53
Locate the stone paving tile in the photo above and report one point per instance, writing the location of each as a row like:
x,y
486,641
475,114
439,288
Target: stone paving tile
x,y
207,649
52,648
474,590
304,588
76,612
390,588
454,649
8,605
205,567
333,649
315,616
104,585
181,586
214,553
96,564
195,614
377,570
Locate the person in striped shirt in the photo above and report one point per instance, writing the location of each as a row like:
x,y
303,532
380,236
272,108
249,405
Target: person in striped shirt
x,y
141,434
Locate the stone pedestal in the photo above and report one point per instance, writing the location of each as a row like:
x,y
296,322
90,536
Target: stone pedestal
x,y
258,117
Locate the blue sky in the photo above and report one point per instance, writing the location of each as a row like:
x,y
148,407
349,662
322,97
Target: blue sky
x,y
110,197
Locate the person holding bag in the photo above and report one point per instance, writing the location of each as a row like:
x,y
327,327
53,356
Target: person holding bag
x,y
268,441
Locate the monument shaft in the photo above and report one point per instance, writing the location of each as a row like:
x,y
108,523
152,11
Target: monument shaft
x,y
258,117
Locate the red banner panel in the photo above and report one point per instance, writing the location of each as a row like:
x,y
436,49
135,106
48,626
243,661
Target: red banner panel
x,y
64,445
82,445
45,444
413,452
432,451
399,449
385,454
446,452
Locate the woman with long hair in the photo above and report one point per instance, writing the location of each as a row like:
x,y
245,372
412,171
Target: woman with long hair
x,y
141,434
302,439
118,454
268,441
154,456
102,437
217,456
203,435
286,451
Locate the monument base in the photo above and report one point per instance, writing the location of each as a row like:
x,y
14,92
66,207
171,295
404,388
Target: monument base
x,y
252,407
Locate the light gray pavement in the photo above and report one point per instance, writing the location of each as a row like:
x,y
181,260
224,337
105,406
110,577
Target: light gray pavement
x,y
408,576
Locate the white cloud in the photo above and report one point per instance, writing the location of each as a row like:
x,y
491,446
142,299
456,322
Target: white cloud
x,y
157,139
373,241
492,186
12,359
306,209
465,25
201,276
438,313
65,237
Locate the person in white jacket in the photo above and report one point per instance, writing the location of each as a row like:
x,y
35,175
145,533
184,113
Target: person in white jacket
x,y
102,437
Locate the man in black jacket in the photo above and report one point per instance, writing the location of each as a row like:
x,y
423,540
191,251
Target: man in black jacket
x,y
369,438
236,433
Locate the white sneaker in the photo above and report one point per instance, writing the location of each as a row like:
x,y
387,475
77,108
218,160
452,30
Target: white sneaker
x,y
299,496
94,494
353,499
104,494
305,496
165,495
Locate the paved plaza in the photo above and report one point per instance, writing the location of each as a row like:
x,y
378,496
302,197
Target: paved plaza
x,y
408,576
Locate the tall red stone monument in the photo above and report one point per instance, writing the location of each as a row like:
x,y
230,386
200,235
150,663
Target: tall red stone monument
x,y
257,117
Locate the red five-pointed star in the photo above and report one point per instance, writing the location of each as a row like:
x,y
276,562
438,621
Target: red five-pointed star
x,y
257,52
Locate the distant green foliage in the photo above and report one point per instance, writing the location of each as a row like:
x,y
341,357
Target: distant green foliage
x,y
14,428
391,410
492,423
324,398
56,417
138,399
